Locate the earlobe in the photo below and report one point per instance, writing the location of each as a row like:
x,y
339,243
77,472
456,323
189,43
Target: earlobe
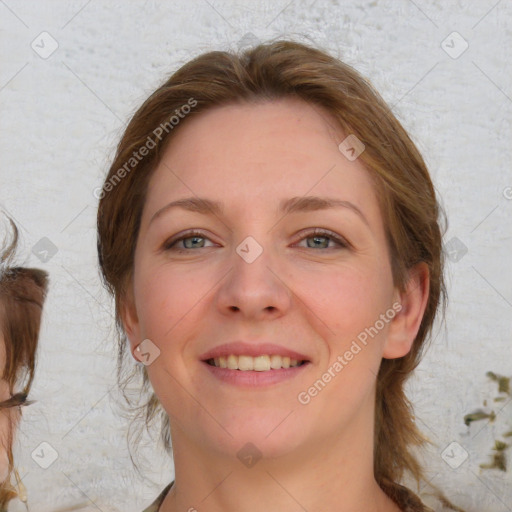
x,y
405,325
130,319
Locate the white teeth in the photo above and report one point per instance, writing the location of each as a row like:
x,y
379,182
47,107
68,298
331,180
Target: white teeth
x,y
259,363
262,363
245,363
275,362
233,362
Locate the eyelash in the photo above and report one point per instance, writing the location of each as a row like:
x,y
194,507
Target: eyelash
x,y
324,233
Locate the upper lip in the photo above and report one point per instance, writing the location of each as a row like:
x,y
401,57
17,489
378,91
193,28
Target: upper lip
x,y
242,348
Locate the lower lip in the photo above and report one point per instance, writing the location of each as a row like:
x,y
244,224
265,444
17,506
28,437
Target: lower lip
x,y
252,379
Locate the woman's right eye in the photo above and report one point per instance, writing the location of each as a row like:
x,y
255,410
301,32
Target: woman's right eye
x,y
170,245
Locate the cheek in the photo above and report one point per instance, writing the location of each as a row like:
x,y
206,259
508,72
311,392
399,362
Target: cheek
x,y
349,299
166,297
350,302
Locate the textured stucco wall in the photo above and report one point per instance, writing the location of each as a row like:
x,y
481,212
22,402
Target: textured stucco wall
x,y
61,117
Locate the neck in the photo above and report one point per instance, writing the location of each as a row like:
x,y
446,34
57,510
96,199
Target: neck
x,y
334,473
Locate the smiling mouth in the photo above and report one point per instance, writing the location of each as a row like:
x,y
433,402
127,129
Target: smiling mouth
x,y
263,363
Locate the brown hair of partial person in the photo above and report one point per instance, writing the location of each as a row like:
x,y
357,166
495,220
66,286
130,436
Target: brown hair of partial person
x,y
22,295
410,210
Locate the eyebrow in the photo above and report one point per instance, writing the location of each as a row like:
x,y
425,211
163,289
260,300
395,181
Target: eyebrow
x,y
287,206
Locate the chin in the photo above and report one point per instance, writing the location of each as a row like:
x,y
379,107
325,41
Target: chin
x,y
267,436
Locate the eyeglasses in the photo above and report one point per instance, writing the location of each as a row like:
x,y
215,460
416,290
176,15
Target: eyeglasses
x,y
16,400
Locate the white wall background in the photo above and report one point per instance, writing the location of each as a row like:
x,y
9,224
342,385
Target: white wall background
x,y
61,117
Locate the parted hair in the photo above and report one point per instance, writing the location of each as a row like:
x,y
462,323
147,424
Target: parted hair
x,y
412,214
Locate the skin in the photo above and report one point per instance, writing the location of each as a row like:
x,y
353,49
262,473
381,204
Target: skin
x,y
313,298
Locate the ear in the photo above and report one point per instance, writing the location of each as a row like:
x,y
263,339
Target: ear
x,y
406,323
129,318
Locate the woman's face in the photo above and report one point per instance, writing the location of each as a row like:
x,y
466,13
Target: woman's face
x,y
256,281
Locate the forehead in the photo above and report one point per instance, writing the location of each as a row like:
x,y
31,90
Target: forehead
x,y
256,154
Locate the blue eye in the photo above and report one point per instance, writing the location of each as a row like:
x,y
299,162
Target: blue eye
x,y
195,238
319,234
190,235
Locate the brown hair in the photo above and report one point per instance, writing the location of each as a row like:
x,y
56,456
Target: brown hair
x,y
22,295
407,199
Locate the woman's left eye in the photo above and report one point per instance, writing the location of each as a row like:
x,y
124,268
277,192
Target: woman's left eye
x,y
324,234
320,237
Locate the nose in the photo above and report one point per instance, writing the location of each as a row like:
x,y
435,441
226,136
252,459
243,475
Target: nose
x,y
255,287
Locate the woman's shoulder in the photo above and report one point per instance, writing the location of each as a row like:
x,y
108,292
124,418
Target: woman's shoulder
x,y
156,504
